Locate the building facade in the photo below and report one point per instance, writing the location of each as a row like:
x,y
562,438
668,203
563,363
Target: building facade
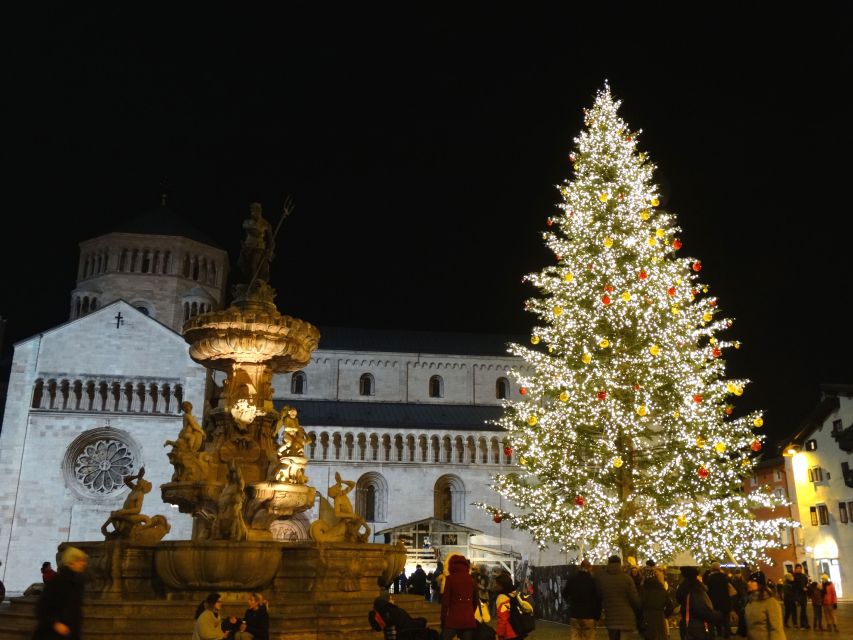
x,y
405,415
820,483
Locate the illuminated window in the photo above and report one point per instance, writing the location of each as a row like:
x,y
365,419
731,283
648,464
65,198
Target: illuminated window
x,y
813,515
785,536
815,474
753,480
842,512
811,445
823,513
778,475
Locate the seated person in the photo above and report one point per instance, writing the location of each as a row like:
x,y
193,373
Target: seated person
x,y
398,623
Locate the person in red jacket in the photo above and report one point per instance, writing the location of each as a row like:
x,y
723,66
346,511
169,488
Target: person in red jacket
x,y
458,600
830,604
47,572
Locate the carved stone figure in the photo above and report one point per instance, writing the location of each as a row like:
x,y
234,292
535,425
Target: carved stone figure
x,y
294,437
190,464
341,523
256,252
229,523
128,522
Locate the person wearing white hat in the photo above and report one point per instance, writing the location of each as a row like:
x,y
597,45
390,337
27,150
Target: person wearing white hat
x,y
60,606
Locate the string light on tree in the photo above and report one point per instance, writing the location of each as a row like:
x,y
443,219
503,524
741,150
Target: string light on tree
x,y
632,389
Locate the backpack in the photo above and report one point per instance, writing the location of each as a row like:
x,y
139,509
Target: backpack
x,y
520,621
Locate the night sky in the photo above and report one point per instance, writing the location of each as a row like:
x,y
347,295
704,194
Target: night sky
x,y
422,148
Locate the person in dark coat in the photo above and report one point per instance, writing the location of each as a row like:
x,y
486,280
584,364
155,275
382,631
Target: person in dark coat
x,y
718,590
418,582
801,598
60,606
584,603
655,604
458,600
398,622
698,614
257,617
619,598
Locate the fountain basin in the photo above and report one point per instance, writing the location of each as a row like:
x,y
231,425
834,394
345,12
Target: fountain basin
x,y
217,565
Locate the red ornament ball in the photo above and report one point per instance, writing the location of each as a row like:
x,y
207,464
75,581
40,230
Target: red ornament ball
x,y
643,275
716,353
703,472
670,292
549,222
755,446
498,517
636,387
697,398
605,299
697,266
601,395
523,391
507,451
608,288
712,303
580,501
676,244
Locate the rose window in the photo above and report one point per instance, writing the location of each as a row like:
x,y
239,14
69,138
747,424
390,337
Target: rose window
x,y
98,460
102,466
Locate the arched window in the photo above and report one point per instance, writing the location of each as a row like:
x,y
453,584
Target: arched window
x,y
365,385
502,388
297,383
436,387
371,497
449,499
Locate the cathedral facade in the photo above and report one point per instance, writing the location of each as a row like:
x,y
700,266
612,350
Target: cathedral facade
x,y
407,416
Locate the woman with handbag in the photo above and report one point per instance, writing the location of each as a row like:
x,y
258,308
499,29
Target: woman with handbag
x,y
762,612
698,618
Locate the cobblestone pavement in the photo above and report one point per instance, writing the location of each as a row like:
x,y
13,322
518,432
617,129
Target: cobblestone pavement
x,y
554,631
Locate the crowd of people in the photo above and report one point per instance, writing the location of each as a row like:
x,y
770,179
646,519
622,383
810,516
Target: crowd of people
x,y
469,596
703,606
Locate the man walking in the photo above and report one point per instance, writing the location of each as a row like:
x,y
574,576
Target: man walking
x,y
720,590
60,607
619,598
584,603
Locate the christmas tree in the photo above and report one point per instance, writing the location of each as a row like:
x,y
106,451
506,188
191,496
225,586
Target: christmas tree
x,y
625,435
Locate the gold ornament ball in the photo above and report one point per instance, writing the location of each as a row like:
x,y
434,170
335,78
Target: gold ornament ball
x,y
608,243
654,350
604,343
558,311
738,391
617,462
604,197
700,442
534,339
644,215
681,521
532,420
522,461
707,317
720,447
626,296
564,397
569,277
655,202
586,358
758,422
652,241
642,410
660,233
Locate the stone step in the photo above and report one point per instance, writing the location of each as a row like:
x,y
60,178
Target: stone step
x,y
173,619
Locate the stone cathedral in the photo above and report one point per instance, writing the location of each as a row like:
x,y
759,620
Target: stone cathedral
x,y
405,415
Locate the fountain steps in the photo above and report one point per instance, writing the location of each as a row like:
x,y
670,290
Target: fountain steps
x,y
173,619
